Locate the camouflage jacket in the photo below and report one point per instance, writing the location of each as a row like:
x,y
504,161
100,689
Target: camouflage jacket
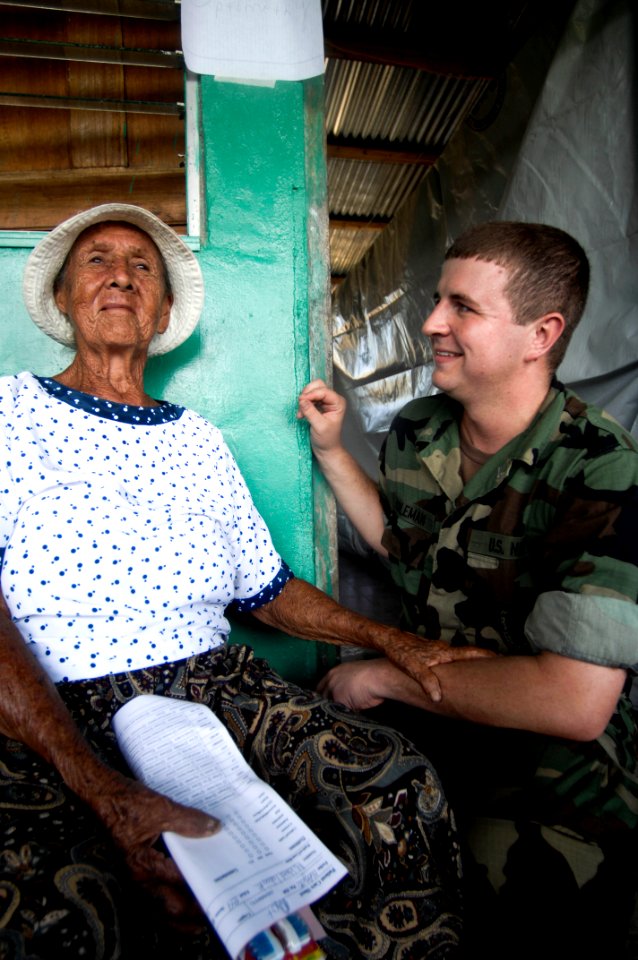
x,y
538,551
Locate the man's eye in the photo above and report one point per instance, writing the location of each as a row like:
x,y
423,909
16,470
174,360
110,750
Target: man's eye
x,y
96,259
141,266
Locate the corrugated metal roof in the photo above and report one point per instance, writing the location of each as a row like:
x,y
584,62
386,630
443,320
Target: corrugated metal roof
x,y
370,189
377,101
401,76
394,16
347,247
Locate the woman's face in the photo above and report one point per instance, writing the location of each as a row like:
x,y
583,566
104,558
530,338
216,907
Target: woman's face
x,y
114,289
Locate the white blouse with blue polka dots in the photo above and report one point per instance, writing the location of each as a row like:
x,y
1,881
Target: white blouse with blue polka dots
x,y
124,531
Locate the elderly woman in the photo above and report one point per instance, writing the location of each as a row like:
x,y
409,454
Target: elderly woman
x,y
126,530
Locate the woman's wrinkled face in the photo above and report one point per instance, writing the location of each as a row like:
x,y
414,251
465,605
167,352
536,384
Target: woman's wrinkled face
x,y
113,289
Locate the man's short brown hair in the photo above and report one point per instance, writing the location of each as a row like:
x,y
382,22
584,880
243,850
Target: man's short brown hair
x,y
549,271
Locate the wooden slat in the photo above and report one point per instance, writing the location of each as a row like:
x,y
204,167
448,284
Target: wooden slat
x,y
22,23
144,9
44,50
152,140
33,139
99,139
54,162
40,201
100,106
84,178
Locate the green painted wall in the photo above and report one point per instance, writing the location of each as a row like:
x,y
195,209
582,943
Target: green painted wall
x,y
264,257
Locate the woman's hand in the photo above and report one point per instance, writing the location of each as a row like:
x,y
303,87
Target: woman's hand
x,y
136,816
366,683
416,656
32,712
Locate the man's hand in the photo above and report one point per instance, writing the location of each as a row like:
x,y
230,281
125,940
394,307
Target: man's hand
x,y
136,817
324,410
356,493
359,684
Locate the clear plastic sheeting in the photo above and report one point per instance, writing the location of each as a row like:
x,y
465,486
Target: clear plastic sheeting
x,y
561,150
381,358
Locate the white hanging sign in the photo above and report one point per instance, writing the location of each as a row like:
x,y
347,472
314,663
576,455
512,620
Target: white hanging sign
x,y
263,40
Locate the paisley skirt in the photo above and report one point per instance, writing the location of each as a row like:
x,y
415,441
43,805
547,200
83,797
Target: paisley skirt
x,y
363,788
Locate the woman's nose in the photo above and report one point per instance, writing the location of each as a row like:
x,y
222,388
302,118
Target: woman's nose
x,y
120,274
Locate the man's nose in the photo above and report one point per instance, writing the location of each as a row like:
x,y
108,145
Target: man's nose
x,y
435,322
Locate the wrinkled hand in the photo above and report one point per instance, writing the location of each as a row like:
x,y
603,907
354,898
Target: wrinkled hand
x,y
416,656
136,816
324,410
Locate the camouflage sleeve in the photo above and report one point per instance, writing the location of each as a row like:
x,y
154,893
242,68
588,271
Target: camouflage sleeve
x,y
589,610
597,629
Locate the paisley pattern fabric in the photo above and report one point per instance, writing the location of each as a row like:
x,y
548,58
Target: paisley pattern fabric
x,y
366,791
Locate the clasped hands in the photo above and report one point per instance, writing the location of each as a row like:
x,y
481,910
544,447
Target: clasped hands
x,y
404,672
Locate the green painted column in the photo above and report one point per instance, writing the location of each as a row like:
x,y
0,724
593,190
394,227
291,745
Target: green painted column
x,y
264,256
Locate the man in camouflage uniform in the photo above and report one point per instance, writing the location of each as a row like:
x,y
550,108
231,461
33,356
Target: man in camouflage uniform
x,y
508,511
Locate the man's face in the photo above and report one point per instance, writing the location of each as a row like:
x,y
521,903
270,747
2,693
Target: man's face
x,y
476,344
114,290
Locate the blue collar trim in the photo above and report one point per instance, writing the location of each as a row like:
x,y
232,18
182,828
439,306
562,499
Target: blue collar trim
x,y
109,409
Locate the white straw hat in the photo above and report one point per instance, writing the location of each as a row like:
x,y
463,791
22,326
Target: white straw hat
x,y
47,258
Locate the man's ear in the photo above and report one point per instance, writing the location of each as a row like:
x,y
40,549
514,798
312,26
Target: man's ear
x,y
546,331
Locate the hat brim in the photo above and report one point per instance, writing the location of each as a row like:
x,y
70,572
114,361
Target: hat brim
x,y
184,272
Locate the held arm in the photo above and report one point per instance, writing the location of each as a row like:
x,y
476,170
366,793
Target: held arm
x,y
303,611
547,693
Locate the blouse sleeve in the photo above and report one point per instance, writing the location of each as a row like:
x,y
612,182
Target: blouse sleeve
x,y
260,572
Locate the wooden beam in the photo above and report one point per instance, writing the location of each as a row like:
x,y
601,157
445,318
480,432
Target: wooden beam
x,y
358,223
71,103
378,151
433,54
44,50
140,9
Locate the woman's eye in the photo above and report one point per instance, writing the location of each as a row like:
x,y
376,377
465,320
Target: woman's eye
x,y
141,266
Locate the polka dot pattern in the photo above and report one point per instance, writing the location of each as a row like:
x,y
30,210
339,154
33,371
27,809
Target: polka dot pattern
x,y
125,531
